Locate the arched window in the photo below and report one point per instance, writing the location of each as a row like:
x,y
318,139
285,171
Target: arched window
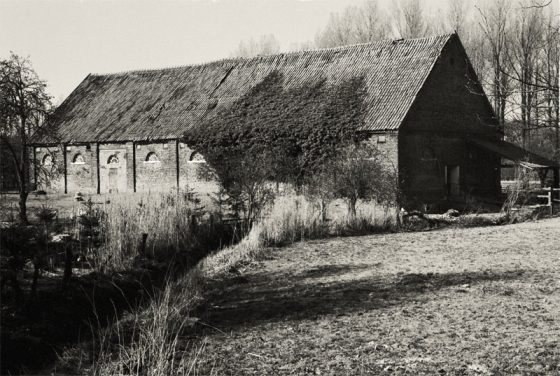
x,y
78,159
197,158
151,157
113,159
47,160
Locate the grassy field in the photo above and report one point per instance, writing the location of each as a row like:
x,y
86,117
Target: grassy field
x,y
65,204
454,301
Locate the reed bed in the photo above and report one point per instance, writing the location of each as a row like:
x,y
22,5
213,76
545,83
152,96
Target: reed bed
x,y
155,226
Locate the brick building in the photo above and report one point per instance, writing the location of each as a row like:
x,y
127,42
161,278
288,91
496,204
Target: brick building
x,y
423,105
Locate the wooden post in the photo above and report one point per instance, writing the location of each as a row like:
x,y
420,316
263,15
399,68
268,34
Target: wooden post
x,y
67,265
98,167
177,161
551,200
142,250
35,167
65,168
556,181
134,166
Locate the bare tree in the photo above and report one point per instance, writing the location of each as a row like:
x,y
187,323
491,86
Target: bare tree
x,y
549,77
362,172
24,105
409,19
371,23
457,15
355,24
522,59
265,45
533,67
494,22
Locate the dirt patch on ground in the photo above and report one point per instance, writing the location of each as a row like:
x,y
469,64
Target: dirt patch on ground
x,y
454,301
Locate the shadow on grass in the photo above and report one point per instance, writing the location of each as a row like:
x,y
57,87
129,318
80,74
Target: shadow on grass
x,y
268,299
330,270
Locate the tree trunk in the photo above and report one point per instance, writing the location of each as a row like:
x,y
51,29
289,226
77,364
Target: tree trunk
x,y
23,207
36,269
323,208
23,174
352,208
67,266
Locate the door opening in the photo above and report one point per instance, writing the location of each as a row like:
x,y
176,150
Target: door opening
x,y
453,181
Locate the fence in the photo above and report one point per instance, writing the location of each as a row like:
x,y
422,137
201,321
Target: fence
x,y
550,198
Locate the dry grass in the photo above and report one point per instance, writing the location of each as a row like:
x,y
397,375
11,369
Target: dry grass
x,y
295,217
148,341
455,301
168,220
396,303
176,227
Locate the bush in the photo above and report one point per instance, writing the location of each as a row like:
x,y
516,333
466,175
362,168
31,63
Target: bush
x,y
359,171
245,188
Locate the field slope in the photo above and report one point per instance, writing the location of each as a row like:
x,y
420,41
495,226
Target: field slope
x,y
455,301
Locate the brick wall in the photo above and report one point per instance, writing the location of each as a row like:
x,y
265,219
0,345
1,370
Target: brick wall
x,y
446,114
424,158
156,166
115,177
192,173
49,175
81,168
451,99
157,173
387,143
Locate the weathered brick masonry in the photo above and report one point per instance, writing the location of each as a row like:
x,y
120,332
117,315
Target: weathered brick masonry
x,y
449,110
123,167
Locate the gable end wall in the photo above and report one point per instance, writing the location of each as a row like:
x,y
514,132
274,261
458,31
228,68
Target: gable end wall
x,y
448,110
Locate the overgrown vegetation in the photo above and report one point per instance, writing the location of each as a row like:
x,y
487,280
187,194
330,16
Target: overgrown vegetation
x,y
149,341
293,131
122,247
249,149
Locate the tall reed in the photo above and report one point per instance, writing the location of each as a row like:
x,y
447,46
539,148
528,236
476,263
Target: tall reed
x,y
295,217
173,225
149,342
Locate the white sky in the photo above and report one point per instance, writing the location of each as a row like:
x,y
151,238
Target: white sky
x,y
67,39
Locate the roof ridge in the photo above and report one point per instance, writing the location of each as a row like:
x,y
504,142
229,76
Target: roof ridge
x,y
428,73
235,60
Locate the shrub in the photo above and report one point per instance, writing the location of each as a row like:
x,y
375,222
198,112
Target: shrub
x,y
358,172
515,193
245,188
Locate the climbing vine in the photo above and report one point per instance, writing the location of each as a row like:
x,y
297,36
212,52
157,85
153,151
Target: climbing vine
x,y
294,129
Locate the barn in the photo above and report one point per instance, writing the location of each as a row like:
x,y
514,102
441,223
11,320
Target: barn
x,y
423,106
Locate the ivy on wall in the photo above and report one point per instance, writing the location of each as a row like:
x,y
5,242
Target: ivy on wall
x,y
295,129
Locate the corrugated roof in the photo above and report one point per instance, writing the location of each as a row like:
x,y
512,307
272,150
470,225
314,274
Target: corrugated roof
x,y
164,103
514,153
